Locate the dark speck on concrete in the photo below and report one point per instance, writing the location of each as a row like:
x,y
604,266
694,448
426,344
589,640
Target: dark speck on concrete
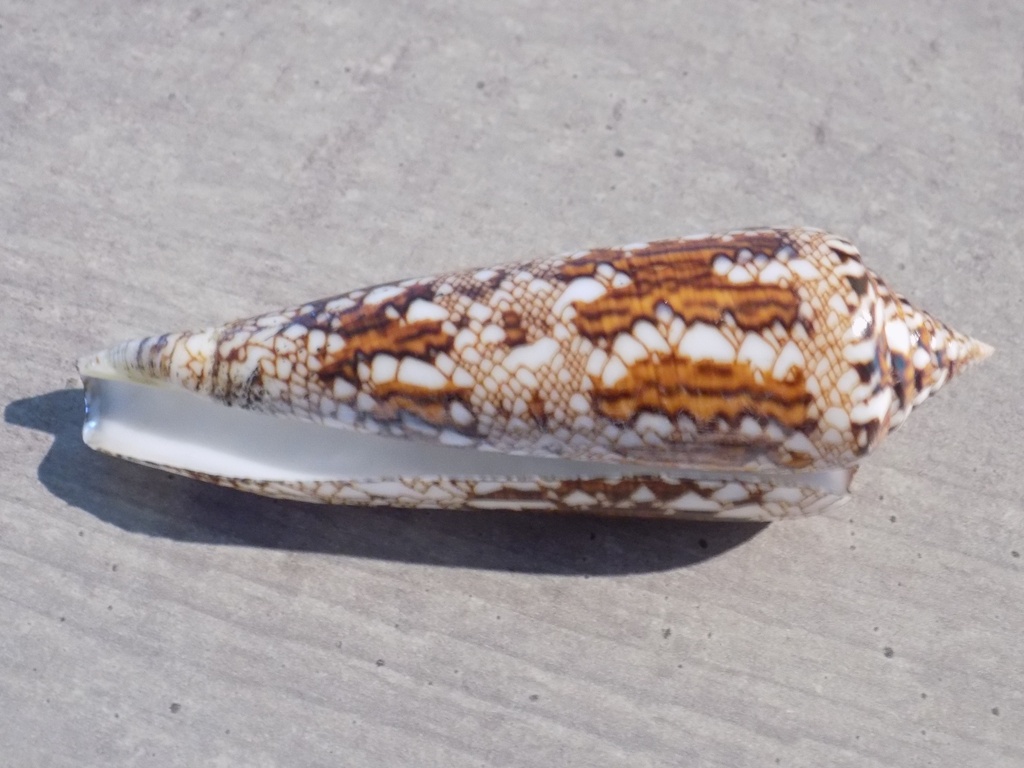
x,y
534,697
889,652
995,711
1015,553
666,633
380,662
175,707
619,153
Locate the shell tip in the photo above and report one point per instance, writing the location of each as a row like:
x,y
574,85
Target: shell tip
x,y
978,351
964,352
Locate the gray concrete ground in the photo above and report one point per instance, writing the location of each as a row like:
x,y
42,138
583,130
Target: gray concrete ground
x,y
176,164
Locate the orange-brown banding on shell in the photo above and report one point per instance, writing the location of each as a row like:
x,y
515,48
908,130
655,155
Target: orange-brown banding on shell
x,y
515,331
683,279
393,398
621,491
422,339
615,491
536,408
705,391
370,330
662,490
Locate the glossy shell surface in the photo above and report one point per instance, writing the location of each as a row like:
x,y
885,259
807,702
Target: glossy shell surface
x,y
732,376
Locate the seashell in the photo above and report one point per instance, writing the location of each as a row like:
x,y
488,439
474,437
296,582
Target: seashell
x,y
739,376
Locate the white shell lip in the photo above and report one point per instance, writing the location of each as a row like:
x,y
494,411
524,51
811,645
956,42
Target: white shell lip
x,y
188,432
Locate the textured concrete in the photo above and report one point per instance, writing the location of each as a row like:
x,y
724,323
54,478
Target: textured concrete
x,y
169,165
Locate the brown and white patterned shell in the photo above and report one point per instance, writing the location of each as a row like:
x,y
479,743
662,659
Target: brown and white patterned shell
x,y
743,357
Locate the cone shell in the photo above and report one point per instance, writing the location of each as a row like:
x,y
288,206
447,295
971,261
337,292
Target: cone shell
x,y
732,376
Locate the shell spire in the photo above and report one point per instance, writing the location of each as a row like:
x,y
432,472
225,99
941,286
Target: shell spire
x,y
924,353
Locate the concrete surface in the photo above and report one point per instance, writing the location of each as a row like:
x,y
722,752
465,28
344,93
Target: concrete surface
x,y
175,164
